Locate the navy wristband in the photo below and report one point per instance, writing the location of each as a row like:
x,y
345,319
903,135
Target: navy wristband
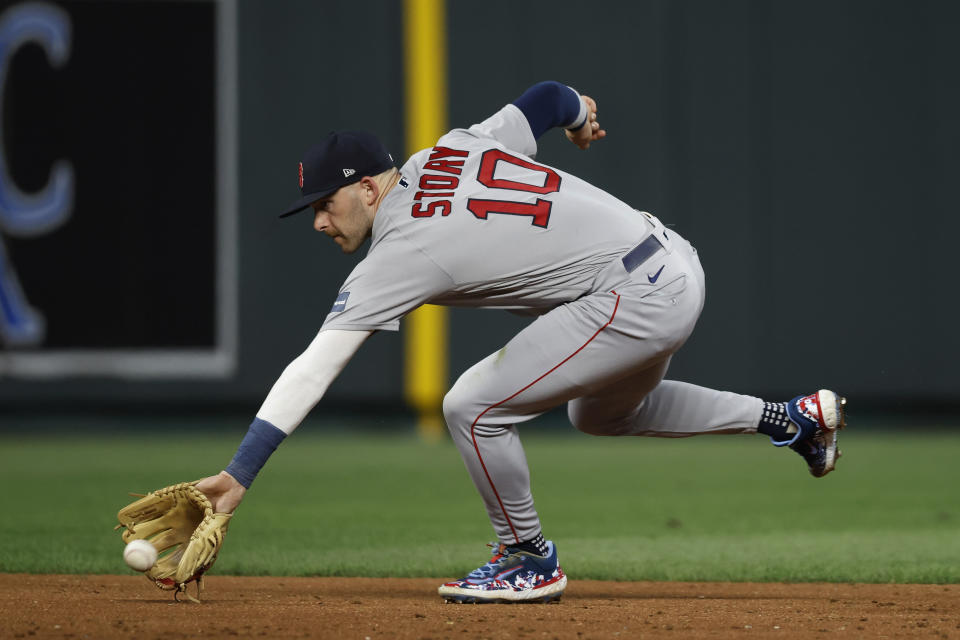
x,y
548,104
262,439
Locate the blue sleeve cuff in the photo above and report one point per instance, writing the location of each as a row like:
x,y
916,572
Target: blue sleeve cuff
x,y
551,104
262,439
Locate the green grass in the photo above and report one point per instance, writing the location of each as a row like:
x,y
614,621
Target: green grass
x,y
708,508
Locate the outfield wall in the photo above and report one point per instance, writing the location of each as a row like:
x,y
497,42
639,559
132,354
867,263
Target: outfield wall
x,y
808,150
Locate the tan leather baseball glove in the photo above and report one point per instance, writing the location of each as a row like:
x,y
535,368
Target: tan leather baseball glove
x,y
179,521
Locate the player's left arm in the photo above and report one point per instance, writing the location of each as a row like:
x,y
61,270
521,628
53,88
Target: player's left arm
x,y
551,104
298,389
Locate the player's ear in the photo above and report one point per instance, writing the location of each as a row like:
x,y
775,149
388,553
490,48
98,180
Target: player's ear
x,y
369,189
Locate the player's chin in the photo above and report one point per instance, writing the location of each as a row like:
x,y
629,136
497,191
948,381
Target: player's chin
x,y
346,245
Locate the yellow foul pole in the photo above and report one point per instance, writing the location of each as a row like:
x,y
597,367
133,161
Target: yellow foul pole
x,y
425,330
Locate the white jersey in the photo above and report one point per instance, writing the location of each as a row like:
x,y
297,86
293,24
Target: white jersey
x,y
474,221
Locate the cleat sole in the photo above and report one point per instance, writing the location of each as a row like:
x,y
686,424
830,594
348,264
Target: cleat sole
x,y
831,407
549,599
546,594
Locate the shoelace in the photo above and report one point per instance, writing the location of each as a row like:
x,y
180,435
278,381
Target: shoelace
x,y
493,564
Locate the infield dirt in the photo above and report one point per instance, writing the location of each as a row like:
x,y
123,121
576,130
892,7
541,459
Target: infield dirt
x,y
104,606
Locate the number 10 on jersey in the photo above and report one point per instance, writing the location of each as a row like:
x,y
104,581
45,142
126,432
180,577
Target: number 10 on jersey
x,y
539,211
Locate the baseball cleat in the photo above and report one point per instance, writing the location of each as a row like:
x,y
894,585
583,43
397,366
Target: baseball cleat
x,y
819,416
510,576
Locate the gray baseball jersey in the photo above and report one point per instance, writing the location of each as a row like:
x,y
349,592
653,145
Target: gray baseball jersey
x,y
476,222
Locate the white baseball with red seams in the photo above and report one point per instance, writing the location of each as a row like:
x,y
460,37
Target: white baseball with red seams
x,y
140,555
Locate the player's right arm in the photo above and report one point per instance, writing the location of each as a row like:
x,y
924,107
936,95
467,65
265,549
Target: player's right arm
x,y
542,107
551,104
590,130
298,389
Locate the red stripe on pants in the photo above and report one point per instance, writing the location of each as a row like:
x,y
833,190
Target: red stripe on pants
x,y
473,435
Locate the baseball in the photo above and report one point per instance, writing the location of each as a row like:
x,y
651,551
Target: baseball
x,y
140,555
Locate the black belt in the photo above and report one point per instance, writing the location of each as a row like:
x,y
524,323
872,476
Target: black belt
x,y
642,252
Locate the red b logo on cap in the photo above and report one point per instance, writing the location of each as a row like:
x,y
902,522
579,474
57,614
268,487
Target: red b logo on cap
x,y
301,175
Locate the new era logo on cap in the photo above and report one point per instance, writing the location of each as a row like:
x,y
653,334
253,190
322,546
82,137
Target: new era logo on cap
x,y
339,160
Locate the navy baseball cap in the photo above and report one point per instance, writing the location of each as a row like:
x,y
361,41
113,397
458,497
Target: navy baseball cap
x,y
342,158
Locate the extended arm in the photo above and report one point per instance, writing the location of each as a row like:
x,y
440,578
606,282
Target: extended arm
x,y
295,393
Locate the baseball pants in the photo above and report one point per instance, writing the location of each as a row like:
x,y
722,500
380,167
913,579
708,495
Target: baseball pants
x,y
605,355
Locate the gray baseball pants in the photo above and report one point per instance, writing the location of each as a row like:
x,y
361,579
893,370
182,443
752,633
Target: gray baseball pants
x,y
605,355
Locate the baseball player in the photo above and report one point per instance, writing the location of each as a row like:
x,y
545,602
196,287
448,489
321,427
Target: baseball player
x,y
476,221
